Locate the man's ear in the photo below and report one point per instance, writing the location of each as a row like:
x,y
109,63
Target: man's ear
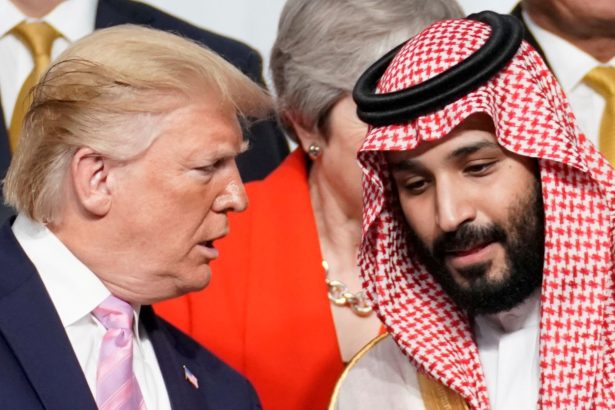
x,y
90,178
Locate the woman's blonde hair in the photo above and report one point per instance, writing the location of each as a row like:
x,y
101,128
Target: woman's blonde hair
x,y
110,91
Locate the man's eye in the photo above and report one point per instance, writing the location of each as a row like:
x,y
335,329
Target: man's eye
x,y
479,168
415,186
208,169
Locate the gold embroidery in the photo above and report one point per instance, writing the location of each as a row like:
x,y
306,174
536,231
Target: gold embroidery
x,y
439,397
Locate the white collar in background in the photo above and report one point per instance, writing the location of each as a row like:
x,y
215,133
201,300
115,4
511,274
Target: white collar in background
x,y
568,63
72,18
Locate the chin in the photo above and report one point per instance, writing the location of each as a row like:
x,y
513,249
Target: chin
x,y
198,280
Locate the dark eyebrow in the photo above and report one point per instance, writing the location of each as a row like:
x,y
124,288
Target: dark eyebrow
x,y
407,165
471,149
411,165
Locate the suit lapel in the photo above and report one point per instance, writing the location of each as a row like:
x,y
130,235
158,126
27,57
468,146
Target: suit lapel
x,y
182,393
5,160
32,328
5,151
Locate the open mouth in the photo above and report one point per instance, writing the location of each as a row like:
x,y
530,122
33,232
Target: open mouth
x,y
468,250
208,249
475,253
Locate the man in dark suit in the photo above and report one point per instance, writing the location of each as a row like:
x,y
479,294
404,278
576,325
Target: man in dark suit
x,y
267,143
124,177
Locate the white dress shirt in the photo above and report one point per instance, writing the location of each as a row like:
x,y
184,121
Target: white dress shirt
x,y
570,64
383,378
72,18
509,354
75,291
507,342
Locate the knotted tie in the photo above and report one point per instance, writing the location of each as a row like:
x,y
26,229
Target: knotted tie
x,y
602,79
38,37
116,384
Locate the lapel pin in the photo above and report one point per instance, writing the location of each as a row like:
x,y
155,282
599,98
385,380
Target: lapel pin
x,y
191,378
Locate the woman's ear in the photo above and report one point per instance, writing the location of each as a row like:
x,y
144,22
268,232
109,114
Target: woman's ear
x,y
308,135
90,179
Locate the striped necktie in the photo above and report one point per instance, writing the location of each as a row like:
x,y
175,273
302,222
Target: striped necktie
x,y
38,37
602,79
116,384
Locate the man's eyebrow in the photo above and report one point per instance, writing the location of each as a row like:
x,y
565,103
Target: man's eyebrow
x,y
405,165
412,165
471,149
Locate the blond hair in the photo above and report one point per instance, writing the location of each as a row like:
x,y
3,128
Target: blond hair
x,y
110,91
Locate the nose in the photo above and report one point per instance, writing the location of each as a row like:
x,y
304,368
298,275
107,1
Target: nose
x,y
454,207
233,197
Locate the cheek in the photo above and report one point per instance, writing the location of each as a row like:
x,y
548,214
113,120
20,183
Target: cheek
x,y
420,221
358,138
184,196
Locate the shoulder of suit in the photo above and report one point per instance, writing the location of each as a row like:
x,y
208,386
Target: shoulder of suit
x,y
132,12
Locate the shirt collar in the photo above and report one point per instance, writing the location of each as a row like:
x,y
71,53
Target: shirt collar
x,y
72,18
568,63
11,16
73,288
522,316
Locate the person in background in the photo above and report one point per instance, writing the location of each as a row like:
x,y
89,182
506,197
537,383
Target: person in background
x,y
488,230
52,25
285,306
577,40
123,179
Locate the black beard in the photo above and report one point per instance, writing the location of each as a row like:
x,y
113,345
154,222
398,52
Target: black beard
x,y
523,242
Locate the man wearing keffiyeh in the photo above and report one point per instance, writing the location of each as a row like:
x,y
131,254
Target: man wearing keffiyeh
x,y
488,229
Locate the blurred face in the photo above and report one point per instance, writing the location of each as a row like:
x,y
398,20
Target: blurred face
x,y
475,216
171,204
345,134
574,18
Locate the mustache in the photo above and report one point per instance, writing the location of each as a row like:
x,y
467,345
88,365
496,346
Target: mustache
x,y
467,237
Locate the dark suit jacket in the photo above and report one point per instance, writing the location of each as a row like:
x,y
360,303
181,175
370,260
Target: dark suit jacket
x,y
268,145
38,368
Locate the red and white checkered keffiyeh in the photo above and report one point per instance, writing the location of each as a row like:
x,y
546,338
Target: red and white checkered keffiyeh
x,y
532,118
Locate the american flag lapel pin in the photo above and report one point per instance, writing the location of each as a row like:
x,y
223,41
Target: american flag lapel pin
x,y
191,378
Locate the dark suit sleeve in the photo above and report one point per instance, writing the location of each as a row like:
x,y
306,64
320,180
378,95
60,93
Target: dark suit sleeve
x,y
219,386
268,144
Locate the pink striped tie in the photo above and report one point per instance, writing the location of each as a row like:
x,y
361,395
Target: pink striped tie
x,y
116,384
